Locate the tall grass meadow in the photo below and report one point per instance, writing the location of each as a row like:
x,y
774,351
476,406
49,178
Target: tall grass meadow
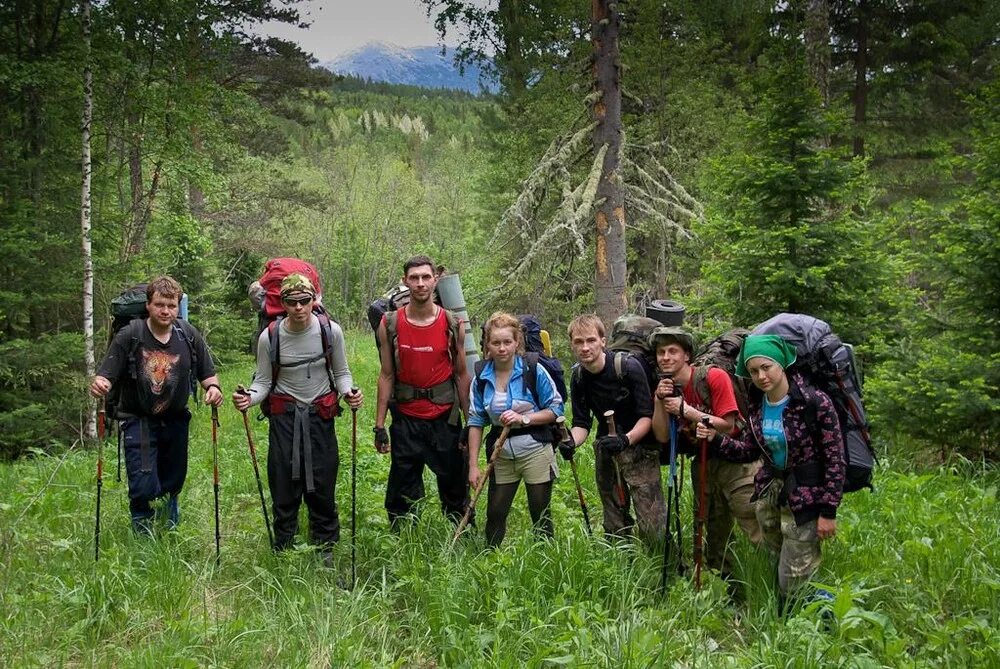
x,y
915,570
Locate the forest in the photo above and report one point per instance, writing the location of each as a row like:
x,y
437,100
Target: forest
x,y
839,158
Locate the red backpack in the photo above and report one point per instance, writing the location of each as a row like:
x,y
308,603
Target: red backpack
x,y
275,271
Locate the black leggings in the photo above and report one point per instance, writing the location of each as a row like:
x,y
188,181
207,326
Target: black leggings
x,y
501,497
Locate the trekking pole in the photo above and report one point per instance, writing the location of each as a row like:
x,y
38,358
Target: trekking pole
x,y
561,422
215,480
671,495
609,415
118,436
256,469
702,508
100,482
479,486
354,488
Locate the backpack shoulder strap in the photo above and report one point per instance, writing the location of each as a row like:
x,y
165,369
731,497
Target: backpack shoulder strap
x,y
273,343
134,332
531,375
392,335
701,387
477,373
619,362
454,323
326,337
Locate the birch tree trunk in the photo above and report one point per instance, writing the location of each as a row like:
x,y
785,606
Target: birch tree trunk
x,y
860,78
611,267
90,430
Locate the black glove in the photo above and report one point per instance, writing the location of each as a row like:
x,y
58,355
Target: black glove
x,y
463,438
381,436
613,444
567,447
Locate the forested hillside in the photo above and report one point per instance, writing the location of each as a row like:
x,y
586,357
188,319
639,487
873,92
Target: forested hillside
x,y
836,158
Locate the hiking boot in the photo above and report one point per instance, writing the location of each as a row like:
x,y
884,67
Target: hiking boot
x,y
173,512
142,526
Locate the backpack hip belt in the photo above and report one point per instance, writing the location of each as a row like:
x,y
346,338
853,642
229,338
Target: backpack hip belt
x,y
442,393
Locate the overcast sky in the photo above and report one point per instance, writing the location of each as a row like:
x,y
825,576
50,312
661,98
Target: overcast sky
x,y
339,26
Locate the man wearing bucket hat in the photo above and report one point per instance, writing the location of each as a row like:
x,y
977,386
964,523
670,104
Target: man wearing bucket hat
x,y
728,485
299,386
797,491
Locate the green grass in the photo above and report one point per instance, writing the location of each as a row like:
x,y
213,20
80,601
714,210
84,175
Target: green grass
x,y
916,570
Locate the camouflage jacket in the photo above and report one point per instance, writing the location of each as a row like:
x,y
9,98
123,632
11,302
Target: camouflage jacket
x,y
814,475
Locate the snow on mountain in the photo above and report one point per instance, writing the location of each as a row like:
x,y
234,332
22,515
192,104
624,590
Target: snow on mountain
x,y
417,66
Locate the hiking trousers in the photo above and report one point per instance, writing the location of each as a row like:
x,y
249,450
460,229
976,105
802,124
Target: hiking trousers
x,y
643,492
292,469
416,442
156,455
795,548
727,498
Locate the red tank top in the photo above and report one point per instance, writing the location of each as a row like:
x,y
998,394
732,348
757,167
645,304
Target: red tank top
x,y
424,361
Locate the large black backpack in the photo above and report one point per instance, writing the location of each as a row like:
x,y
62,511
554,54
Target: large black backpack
x,y
128,311
829,365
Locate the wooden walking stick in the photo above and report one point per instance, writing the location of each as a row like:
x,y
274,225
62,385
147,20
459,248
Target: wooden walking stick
x,y
479,486
609,416
561,422
702,508
100,482
256,469
215,480
354,489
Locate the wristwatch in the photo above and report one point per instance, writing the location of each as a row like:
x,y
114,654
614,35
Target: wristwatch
x,y
526,419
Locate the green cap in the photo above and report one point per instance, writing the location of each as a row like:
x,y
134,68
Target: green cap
x,y
667,334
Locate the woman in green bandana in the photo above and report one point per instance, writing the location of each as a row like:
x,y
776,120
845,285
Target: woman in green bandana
x,y
798,490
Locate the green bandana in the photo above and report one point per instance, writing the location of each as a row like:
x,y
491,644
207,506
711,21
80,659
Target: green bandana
x,y
771,347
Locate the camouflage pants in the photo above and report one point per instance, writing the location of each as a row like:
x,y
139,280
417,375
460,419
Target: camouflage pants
x,y
727,497
641,489
796,547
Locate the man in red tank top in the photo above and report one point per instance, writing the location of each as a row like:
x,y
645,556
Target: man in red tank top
x,y
423,371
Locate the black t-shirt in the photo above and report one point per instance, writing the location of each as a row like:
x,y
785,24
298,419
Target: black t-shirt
x,y
162,371
593,394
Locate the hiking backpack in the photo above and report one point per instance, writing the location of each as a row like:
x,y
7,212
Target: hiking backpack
x,y
532,359
630,334
128,311
829,365
272,312
535,342
723,353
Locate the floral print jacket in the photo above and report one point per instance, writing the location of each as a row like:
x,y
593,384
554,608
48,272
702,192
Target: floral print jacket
x,y
815,471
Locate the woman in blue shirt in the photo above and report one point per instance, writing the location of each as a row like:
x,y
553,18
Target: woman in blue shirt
x,y
501,396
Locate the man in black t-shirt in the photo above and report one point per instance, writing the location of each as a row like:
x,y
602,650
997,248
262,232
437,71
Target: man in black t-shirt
x,y
154,359
626,465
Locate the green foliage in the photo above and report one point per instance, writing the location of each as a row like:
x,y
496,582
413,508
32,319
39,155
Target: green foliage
x,y
788,229
945,385
914,569
42,393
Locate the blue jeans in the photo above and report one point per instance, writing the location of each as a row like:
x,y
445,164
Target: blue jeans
x,y
156,454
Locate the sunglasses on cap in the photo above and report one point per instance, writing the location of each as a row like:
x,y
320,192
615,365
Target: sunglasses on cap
x,y
292,301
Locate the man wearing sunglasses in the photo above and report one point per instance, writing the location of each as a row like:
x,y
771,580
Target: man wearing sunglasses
x,y
301,373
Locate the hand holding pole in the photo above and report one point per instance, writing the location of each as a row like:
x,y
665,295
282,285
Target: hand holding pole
x,y
497,447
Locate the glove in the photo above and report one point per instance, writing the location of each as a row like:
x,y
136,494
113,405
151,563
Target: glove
x,y
614,444
567,447
381,437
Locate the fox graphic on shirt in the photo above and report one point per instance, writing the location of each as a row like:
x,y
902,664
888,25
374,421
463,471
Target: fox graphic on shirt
x,y
158,370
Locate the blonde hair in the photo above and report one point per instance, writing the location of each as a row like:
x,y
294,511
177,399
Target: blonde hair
x,y
586,321
501,319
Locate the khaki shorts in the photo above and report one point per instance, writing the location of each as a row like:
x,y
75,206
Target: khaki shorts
x,y
537,466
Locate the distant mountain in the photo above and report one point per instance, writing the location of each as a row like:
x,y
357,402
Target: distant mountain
x,y
417,66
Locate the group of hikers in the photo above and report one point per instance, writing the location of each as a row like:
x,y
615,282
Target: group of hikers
x,y
777,469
